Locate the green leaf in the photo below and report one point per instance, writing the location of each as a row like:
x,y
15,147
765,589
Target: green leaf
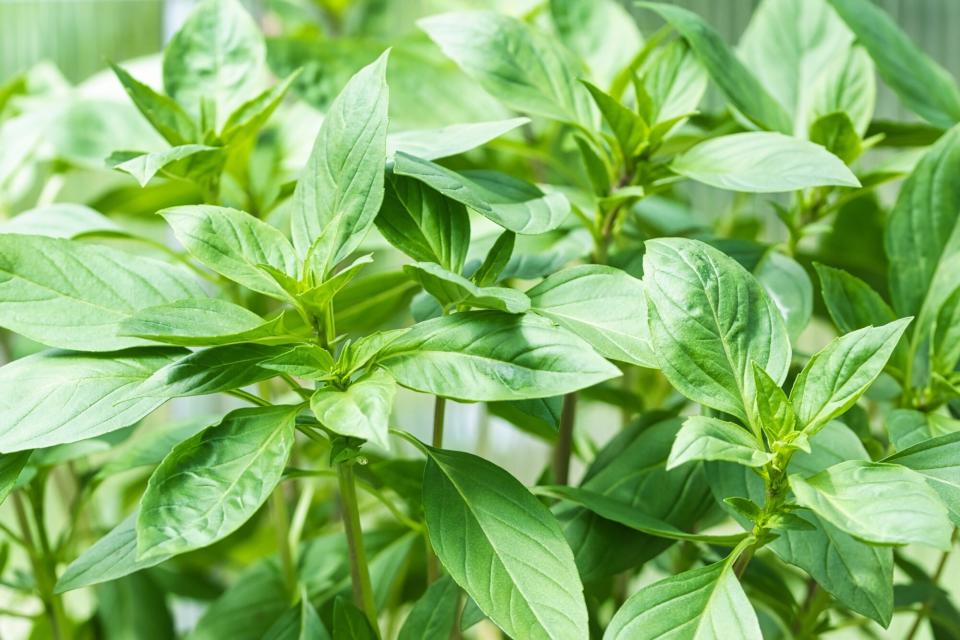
x,y
787,45
740,86
703,604
772,408
73,296
628,128
625,514
210,371
434,614
877,502
452,140
212,483
925,87
319,297
245,122
789,288
11,464
513,204
704,438
234,244
217,55
339,194
362,410
503,547
112,556
518,65
424,224
846,85
851,302
496,260
371,300
300,622
61,220
166,116
945,341
675,82
601,33
350,622
453,290
193,161
488,356
303,360
835,133
698,295
603,305
763,162
909,427
151,443
207,321
837,375
937,460
56,397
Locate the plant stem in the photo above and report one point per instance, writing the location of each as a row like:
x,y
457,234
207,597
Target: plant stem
x,y
359,573
282,521
44,566
564,446
439,410
935,578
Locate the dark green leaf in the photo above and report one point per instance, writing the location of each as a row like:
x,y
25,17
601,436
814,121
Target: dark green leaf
x,y
210,371
434,614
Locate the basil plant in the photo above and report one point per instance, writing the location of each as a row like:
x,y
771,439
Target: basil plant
x,y
697,296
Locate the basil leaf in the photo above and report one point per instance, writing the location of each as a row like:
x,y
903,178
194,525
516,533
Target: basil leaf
x,y
515,63
496,260
11,464
740,86
675,81
194,161
762,162
503,547
151,443
846,85
217,55
112,556
628,128
706,603
452,140
301,622
304,360
851,302
207,321
837,375
909,427
234,244
247,120
212,483
337,199
73,296
772,408
704,438
166,116
362,410
452,290
936,460
513,204
350,622
698,295
57,397
434,614
210,371
945,341
425,225
602,33
61,220
489,356
877,502
319,297
789,288
925,87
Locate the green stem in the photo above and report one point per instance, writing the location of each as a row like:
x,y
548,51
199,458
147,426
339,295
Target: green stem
x,y
564,446
359,573
282,521
44,565
935,578
246,395
439,409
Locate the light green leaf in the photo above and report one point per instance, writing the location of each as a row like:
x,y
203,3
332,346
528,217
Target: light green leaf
x,y
61,220
937,460
627,515
151,443
503,547
249,117
846,85
604,306
704,438
452,140
489,356
209,321
217,55
318,298
194,161
424,224
513,204
11,464
700,604
851,302
925,87
234,243
789,288
303,360
909,427
877,502
362,410
371,300
112,556
675,81
698,295
763,162
837,375
339,194
740,86
210,371
166,116
772,409
70,295
434,614
518,65
453,290
212,483
628,128
57,397
602,33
